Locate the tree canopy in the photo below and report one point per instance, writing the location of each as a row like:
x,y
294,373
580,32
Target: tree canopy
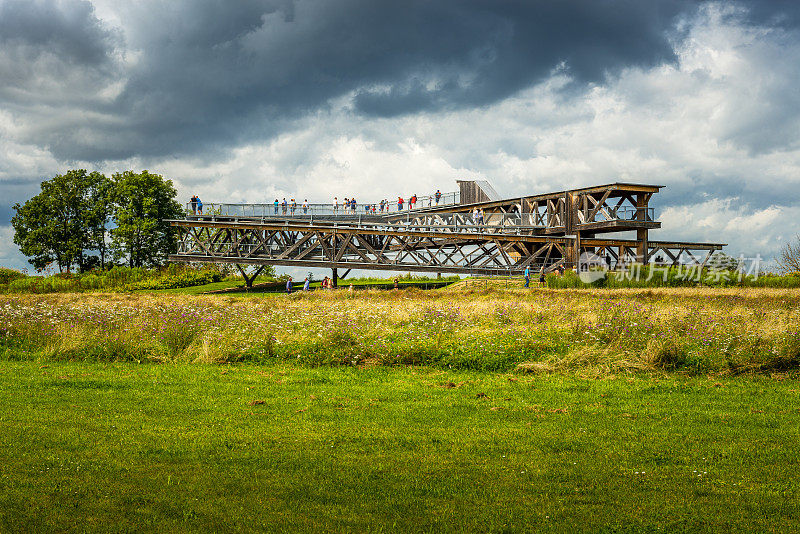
x,y
67,222
141,203
58,224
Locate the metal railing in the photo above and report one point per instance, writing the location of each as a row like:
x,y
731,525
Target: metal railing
x,y
301,209
624,213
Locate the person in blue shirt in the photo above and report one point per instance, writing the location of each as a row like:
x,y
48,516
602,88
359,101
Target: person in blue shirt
x,y
276,206
527,276
289,285
307,284
200,206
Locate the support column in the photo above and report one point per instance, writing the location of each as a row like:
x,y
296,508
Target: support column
x,y
641,246
248,280
577,252
641,233
335,277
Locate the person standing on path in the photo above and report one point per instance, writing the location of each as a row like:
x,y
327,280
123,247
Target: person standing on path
x,y
307,284
289,285
527,276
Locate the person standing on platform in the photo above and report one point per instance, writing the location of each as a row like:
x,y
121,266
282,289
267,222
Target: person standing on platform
x,y
294,206
283,206
335,205
438,196
276,206
193,202
399,203
199,206
527,276
305,206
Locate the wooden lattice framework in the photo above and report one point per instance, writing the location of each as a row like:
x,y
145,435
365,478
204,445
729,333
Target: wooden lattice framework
x,y
541,232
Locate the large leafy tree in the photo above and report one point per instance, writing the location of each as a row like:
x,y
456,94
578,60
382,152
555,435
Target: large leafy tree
x,y
101,210
141,203
56,225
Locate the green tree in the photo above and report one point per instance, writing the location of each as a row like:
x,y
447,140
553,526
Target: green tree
x,y
141,203
101,210
55,225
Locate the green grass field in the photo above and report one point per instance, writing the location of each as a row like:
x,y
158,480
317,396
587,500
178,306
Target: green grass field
x,y
269,448
446,410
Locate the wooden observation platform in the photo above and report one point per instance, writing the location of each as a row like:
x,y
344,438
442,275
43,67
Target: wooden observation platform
x,y
471,231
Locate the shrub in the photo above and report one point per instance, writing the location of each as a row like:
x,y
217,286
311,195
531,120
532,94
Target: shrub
x,y
8,275
183,279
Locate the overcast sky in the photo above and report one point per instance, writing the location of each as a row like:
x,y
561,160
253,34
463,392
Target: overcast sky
x,y
248,100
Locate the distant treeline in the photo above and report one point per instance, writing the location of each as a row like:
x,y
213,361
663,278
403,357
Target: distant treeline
x,y
86,220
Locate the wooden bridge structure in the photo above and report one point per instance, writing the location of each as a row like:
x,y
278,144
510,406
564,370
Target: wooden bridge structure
x,y
470,232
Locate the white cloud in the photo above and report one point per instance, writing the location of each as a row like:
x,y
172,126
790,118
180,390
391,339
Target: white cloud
x,y
721,129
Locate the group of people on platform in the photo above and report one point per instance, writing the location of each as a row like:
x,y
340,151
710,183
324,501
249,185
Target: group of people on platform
x,y
350,204
290,207
197,205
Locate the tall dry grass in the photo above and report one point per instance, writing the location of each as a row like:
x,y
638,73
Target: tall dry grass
x,y
589,332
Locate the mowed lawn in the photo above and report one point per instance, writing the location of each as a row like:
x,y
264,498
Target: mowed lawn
x,y
283,447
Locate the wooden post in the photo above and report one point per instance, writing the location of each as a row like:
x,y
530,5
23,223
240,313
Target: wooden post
x,y
641,233
335,278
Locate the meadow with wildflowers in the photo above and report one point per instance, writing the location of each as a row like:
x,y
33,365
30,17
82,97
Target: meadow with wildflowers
x,y
448,410
590,333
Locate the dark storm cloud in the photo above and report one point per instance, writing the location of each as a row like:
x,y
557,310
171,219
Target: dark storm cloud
x,y
213,74
67,30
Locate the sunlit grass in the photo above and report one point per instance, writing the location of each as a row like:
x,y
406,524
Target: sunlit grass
x,y
122,446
